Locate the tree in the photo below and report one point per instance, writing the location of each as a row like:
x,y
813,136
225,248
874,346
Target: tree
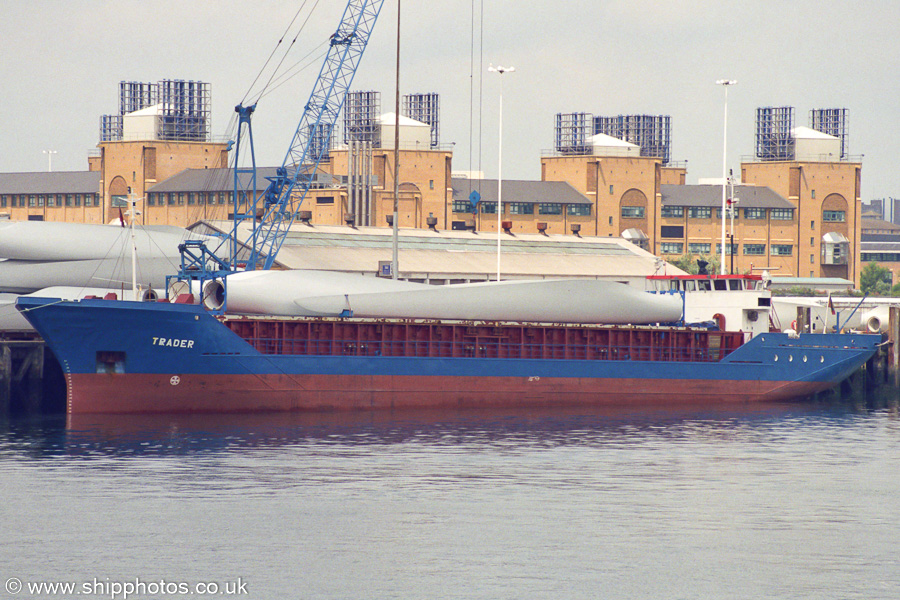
x,y
875,279
688,263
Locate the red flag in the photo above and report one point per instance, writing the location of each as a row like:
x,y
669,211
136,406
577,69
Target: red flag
x,y
830,304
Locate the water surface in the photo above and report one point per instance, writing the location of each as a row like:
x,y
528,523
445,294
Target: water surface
x,y
777,502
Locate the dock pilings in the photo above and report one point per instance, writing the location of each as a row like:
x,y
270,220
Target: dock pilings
x,y
21,361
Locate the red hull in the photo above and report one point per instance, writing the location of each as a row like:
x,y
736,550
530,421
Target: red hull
x,y
93,393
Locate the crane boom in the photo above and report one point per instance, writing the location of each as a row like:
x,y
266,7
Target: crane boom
x,y
287,190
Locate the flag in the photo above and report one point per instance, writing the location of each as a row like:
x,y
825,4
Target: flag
x,y
830,304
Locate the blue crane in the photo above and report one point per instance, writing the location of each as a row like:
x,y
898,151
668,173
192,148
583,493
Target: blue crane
x,y
309,145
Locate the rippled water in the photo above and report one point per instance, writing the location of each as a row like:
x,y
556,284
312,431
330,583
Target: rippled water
x,y
776,502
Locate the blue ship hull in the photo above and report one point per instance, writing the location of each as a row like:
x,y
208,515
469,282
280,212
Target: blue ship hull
x,y
131,357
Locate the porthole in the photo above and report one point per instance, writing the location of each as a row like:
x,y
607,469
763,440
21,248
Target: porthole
x,y
804,358
821,359
776,358
791,358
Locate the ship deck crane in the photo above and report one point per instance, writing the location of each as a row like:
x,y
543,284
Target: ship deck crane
x,y
288,188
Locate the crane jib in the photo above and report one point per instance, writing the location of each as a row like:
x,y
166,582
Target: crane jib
x,y
310,145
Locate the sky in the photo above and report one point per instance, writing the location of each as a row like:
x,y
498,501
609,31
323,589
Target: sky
x,y
61,63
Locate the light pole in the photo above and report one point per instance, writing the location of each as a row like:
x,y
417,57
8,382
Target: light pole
x,y
395,259
49,154
732,207
726,83
501,70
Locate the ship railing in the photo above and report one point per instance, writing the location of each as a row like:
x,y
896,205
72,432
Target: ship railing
x,y
717,348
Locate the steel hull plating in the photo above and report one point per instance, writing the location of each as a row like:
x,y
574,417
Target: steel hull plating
x,y
129,357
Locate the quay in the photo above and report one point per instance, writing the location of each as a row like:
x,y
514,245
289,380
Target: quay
x,y
22,371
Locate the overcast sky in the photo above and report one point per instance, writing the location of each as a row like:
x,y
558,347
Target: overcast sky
x,y
62,61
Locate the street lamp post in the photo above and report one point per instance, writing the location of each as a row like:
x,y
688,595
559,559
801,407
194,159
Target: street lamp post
x,y
395,236
726,83
732,208
501,70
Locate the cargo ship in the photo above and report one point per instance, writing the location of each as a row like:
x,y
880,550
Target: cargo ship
x,y
178,357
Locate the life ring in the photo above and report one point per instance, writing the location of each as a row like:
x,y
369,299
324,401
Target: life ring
x,y
794,325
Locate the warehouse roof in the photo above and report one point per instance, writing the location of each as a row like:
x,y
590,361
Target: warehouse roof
x,y
458,255
749,196
55,182
515,190
210,180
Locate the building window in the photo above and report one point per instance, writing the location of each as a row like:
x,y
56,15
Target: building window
x,y
488,208
737,214
51,201
812,194
78,198
880,257
610,190
325,200
782,249
32,200
550,208
671,248
579,210
672,212
3,201
201,198
832,216
672,231
754,213
754,249
610,221
632,212
192,198
40,200
699,212
729,249
812,259
520,208
462,206
151,199
812,225
783,214
699,248
431,184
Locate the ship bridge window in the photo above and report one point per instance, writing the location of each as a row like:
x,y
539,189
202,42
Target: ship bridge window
x,y
110,361
719,284
734,284
690,285
704,285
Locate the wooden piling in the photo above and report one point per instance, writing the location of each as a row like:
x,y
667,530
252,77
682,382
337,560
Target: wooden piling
x,y
5,377
20,359
893,350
